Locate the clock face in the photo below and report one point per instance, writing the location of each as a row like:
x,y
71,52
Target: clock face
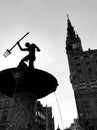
x,y
74,46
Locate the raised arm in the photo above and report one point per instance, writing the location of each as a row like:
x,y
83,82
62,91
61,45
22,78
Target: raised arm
x,y
38,49
22,49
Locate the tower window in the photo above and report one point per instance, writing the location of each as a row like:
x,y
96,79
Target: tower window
x,y
87,62
90,73
87,110
6,103
95,55
4,115
2,127
96,61
91,128
86,57
89,70
79,70
0,104
78,64
76,58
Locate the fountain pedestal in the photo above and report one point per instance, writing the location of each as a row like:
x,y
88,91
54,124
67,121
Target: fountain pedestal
x,y
24,114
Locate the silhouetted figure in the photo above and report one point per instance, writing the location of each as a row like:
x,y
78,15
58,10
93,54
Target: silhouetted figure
x,y
31,48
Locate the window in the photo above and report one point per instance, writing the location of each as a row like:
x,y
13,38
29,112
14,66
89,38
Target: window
x,y
76,58
82,85
2,127
0,104
79,70
96,104
86,57
90,71
87,62
4,115
77,64
87,110
6,103
95,55
91,128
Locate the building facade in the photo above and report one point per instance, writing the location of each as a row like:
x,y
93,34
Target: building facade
x,y
50,125
44,118
83,77
43,115
6,110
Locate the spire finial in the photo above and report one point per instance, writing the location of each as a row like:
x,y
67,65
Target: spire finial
x,y
67,17
70,28
68,20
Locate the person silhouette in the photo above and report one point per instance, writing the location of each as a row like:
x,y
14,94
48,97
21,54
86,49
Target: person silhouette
x,y
31,48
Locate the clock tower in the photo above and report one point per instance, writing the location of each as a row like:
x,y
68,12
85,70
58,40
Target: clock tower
x,y
73,42
83,77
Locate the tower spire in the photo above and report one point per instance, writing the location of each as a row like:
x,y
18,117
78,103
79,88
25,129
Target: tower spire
x,y
68,20
67,17
70,28
73,41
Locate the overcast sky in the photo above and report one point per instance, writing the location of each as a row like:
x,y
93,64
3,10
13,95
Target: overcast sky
x,y
46,20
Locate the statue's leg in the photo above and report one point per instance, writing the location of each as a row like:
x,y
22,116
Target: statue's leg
x,y
31,59
31,62
22,63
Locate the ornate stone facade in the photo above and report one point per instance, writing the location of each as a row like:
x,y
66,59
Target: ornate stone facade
x,y
83,76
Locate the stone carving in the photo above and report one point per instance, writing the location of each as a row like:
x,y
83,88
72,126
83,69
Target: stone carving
x,y
24,116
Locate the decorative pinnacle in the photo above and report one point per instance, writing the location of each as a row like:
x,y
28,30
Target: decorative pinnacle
x,y
67,17
68,21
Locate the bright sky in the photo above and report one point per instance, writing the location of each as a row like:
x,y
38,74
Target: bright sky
x,y
47,23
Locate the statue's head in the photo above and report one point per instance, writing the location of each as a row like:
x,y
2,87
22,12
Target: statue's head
x,y
27,44
33,44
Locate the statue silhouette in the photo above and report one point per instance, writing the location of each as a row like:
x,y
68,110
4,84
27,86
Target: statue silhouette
x,y
31,48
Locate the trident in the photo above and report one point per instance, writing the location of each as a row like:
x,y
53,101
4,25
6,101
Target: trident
x,y
8,51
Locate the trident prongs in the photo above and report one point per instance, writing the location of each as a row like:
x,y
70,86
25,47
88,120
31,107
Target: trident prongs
x,y
8,52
